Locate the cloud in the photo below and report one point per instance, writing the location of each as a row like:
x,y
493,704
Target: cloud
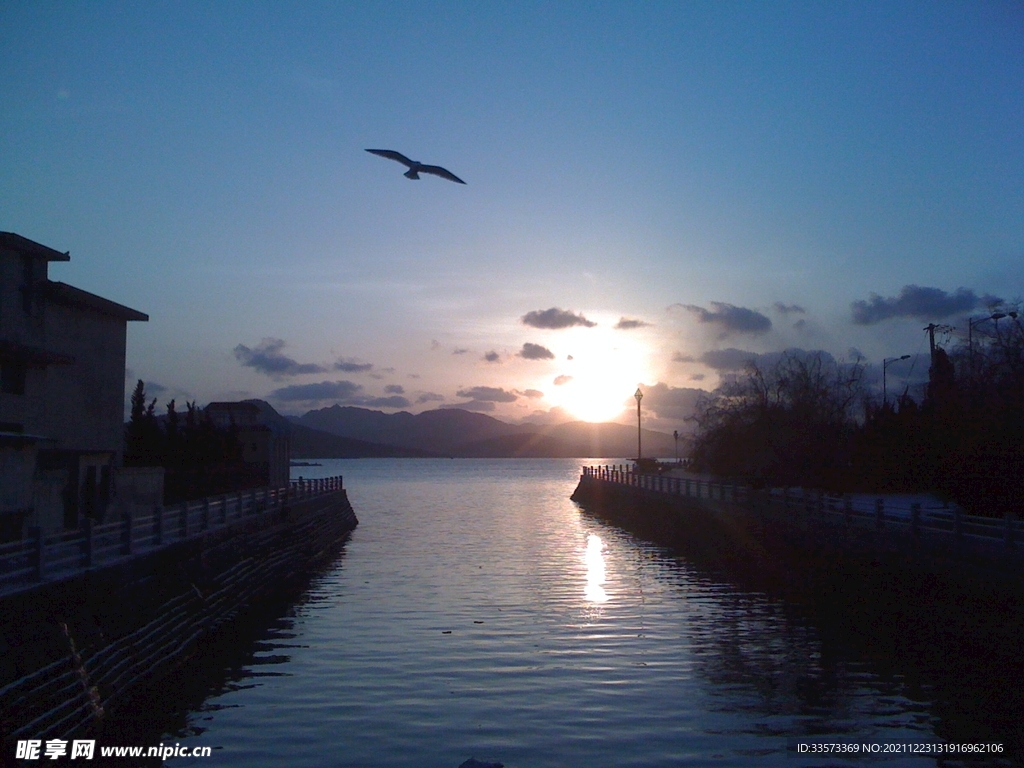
x,y
919,302
730,359
346,392
395,389
430,397
626,324
679,357
351,366
488,394
560,380
555,318
730,318
697,377
266,358
325,390
492,357
789,308
460,351
536,352
533,394
667,402
472,405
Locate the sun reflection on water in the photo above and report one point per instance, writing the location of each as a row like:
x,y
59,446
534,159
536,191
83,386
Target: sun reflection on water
x,y
594,592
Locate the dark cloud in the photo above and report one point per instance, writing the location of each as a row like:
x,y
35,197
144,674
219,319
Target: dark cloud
x,y
492,357
560,380
266,358
679,357
730,318
667,402
351,366
536,352
430,397
325,390
800,324
697,377
472,405
789,308
533,394
344,392
555,318
488,394
460,351
730,359
733,359
395,389
152,388
919,302
626,324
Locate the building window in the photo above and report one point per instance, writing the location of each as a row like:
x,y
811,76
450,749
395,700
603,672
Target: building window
x,y
12,377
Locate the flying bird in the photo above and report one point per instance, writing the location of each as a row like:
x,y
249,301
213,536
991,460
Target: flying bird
x,y
415,167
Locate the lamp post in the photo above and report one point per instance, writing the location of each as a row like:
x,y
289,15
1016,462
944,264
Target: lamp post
x,y
675,434
885,364
639,396
997,316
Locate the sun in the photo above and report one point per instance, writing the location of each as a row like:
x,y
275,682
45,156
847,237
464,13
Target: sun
x,y
598,383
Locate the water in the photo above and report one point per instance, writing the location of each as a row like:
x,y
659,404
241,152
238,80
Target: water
x,y
477,611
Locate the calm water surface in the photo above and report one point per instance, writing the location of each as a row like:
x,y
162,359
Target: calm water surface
x,y
477,611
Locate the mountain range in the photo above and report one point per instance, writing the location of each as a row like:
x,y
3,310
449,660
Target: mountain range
x,y
460,433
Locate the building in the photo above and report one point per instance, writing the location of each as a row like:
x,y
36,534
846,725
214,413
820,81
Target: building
x,y
266,443
62,375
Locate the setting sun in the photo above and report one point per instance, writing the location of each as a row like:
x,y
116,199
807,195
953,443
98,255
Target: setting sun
x,y
597,384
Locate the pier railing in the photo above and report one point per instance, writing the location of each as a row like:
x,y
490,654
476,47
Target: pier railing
x,y
864,509
61,555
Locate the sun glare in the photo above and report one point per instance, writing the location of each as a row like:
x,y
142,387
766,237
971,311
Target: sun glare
x,y
597,384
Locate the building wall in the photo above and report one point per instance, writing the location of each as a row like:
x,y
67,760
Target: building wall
x,y
85,400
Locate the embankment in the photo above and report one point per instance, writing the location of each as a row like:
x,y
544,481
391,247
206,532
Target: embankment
x,y
75,650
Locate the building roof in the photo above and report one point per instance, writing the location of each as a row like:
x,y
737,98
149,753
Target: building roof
x,y
31,247
76,297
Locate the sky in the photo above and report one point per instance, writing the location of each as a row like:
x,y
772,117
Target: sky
x,y
655,192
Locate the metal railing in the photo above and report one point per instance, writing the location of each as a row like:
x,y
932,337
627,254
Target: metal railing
x,y
60,555
880,512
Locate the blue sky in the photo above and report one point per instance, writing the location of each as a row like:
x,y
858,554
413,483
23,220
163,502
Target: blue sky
x,y
734,176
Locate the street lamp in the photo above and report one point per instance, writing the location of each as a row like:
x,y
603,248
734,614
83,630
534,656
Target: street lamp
x,y
639,396
675,434
885,364
997,316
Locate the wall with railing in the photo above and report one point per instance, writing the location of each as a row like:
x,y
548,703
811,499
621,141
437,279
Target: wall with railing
x,y
39,557
79,641
878,512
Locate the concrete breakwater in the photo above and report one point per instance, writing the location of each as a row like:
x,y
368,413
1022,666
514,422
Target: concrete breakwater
x,y
80,642
808,537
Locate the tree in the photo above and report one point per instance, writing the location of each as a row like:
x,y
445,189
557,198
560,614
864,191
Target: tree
x,y
787,424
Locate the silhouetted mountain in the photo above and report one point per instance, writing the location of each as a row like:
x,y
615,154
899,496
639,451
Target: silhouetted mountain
x,y
439,432
454,432
309,443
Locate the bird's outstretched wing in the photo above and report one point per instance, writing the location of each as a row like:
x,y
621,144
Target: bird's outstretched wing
x,y
437,170
390,154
